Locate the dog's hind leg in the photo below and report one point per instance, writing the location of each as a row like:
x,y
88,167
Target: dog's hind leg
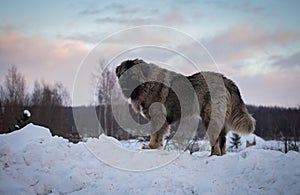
x,y
222,140
219,148
213,130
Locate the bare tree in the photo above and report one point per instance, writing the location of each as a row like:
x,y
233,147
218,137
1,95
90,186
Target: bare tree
x,y
13,97
2,98
36,96
15,88
105,85
63,93
105,80
48,103
46,95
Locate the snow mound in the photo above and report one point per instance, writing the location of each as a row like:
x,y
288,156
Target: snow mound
x,y
34,162
133,160
29,134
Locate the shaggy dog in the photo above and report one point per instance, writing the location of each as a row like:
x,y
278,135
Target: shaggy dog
x,y
220,105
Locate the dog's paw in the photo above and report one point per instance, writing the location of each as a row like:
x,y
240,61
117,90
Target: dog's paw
x,y
149,146
146,146
215,150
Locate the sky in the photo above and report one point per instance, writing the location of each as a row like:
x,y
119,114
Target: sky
x,y
255,43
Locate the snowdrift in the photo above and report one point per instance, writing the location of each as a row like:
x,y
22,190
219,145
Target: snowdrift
x,y
34,162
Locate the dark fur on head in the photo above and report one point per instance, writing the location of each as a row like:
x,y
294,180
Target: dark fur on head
x,y
127,65
130,78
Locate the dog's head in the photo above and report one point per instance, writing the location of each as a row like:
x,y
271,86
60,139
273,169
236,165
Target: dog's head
x,y
130,78
127,65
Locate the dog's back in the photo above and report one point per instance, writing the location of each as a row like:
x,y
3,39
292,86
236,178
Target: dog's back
x,y
237,117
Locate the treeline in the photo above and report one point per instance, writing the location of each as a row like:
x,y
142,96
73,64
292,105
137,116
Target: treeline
x,y
49,107
47,103
276,122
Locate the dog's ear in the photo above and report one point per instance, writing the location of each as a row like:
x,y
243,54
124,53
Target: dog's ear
x,y
129,64
118,71
125,65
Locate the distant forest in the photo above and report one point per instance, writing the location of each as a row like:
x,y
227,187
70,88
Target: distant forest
x,y
49,107
271,122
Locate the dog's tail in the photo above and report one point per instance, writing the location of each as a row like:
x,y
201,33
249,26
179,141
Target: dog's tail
x,y
237,117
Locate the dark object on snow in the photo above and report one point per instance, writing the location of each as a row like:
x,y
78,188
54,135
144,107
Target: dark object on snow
x,y
248,143
22,121
235,141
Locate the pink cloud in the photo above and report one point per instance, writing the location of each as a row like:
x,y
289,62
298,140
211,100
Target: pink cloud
x,y
37,49
40,58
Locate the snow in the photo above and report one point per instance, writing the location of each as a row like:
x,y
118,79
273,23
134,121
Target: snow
x,y
34,162
260,143
27,113
126,159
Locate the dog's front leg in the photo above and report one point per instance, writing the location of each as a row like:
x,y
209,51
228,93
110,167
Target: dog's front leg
x,y
159,126
156,139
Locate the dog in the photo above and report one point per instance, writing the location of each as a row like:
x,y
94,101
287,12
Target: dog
x,y
218,101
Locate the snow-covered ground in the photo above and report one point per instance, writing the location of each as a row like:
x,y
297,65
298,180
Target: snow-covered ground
x,y
34,162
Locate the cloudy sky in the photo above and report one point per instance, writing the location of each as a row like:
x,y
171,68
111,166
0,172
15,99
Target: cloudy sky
x,y
255,43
